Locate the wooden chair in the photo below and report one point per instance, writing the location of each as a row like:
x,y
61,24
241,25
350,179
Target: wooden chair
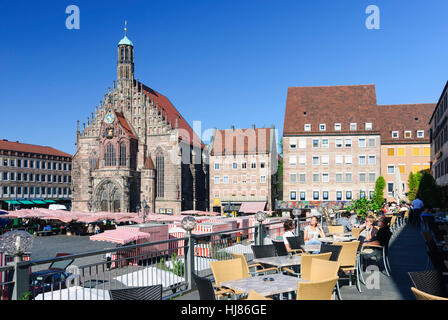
x,y
253,295
392,223
316,290
420,295
305,266
228,270
335,229
356,232
256,265
348,260
323,270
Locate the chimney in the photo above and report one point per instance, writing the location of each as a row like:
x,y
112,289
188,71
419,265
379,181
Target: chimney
x,y
253,127
233,128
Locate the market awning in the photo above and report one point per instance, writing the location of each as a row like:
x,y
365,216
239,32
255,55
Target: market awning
x,y
39,202
50,201
120,236
26,202
12,202
252,207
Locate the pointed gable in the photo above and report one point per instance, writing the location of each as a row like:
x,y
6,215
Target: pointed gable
x,y
149,164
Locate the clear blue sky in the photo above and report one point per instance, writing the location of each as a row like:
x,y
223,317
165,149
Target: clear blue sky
x,y
224,62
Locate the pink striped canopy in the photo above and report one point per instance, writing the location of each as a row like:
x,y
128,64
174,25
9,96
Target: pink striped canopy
x,y
120,236
199,213
252,207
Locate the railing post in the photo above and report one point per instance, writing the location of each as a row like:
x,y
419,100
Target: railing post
x,y
21,278
189,260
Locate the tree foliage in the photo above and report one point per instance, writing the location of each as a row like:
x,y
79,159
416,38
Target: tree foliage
x,y
430,193
379,190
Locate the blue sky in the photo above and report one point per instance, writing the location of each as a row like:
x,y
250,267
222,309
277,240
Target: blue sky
x,y
224,62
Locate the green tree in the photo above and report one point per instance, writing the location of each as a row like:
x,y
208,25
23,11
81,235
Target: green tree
x,y
280,173
379,190
412,187
429,192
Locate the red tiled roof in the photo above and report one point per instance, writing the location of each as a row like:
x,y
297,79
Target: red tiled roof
x,y
405,117
329,105
149,164
171,114
125,124
241,141
31,148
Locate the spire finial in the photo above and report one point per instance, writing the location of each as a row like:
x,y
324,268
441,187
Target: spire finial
x,y
125,28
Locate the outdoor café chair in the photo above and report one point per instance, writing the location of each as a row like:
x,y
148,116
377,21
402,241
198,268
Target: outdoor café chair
x,y
429,281
206,290
335,229
256,265
281,250
305,266
335,250
381,252
420,295
356,232
348,261
228,270
316,290
253,295
139,293
268,251
296,243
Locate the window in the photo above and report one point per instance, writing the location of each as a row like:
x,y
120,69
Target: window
x,y
293,178
12,191
253,165
19,163
160,176
19,190
362,142
353,126
338,195
390,188
12,176
315,195
302,196
415,151
427,151
262,179
348,143
216,166
362,194
372,142
362,160
415,168
362,177
420,134
408,134
348,177
348,160
37,164
339,160
293,161
37,177
325,160
315,177
372,177
234,166
372,159
395,134
322,127
5,176
402,169
316,161
225,179
12,163
110,157
325,143
19,176
371,194
308,127
262,165
325,177
32,177
302,144
217,179
31,164
348,195
293,195
400,152
390,152
302,178
43,177
25,163
338,177
302,160
5,162
315,143
391,169
292,143
244,165
368,126
337,127
338,143
325,195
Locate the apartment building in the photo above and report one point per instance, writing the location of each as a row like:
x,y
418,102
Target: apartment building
x,y
243,170
32,175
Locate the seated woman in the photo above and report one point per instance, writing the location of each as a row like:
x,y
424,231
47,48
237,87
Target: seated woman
x,y
313,232
368,230
289,233
381,236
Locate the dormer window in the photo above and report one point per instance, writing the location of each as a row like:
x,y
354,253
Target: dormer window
x,y
408,134
420,134
353,126
308,127
395,134
337,127
368,126
322,127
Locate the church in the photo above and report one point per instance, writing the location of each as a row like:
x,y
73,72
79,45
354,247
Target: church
x,y
136,149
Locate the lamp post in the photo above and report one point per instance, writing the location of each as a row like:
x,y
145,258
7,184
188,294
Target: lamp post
x,y
188,224
296,214
260,216
16,243
145,212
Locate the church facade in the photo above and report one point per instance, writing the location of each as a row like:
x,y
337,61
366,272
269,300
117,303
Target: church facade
x,y
137,148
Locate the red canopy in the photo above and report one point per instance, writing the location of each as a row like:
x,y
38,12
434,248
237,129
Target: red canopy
x,y
120,236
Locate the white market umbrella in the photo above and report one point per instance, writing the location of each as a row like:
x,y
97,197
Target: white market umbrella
x,y
75,293
149,277
398,186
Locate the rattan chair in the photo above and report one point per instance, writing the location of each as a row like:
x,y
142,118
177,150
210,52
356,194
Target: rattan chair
x,y
335,251
228,270
323,269
253,295
206,290
335,229
305,266
356,232
316,290
255,265
382,252
139,293
429,281
420,295
296,243
348,261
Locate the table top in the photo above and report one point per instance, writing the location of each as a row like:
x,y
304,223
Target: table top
x,y
336,239
280,284
311,247
285,261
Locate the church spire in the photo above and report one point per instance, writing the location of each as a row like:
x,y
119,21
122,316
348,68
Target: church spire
x,y
125,70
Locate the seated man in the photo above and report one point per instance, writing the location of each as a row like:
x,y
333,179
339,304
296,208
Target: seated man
x,y
47,228
345,221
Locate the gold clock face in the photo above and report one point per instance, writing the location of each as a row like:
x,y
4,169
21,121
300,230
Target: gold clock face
x,y
109,119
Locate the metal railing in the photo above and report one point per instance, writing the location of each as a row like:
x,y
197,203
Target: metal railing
x,y
92,275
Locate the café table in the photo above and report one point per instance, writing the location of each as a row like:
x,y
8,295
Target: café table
x,y
336,239
280,262
280,284
311,247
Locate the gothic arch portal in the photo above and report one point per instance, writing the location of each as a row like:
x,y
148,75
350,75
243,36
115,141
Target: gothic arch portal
x,y
108,197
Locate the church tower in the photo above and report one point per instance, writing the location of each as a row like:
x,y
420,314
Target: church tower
x,y
125,69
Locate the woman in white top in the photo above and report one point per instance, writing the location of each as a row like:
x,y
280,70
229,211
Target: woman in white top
x,y
313,232
289,233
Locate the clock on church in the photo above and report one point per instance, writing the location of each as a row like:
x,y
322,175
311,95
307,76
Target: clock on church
x,y
109,118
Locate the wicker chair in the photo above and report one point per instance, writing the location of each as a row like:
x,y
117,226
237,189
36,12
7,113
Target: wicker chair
x,y
335,251
139,293
281,250
228,270
335,229
256,265
348,260
420,295
356,232
206,290
430,282
296,243
305,267
253,295
383,253
316,290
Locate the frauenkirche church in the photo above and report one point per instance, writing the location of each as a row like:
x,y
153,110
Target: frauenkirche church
x,y
136,146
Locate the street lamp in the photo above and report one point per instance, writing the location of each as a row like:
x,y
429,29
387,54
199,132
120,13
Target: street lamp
x,y
260,216
296,214
16,243
188,223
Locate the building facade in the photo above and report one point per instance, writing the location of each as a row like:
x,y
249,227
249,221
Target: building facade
x,y
439,139
243,170
338,141
136,148
33,176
